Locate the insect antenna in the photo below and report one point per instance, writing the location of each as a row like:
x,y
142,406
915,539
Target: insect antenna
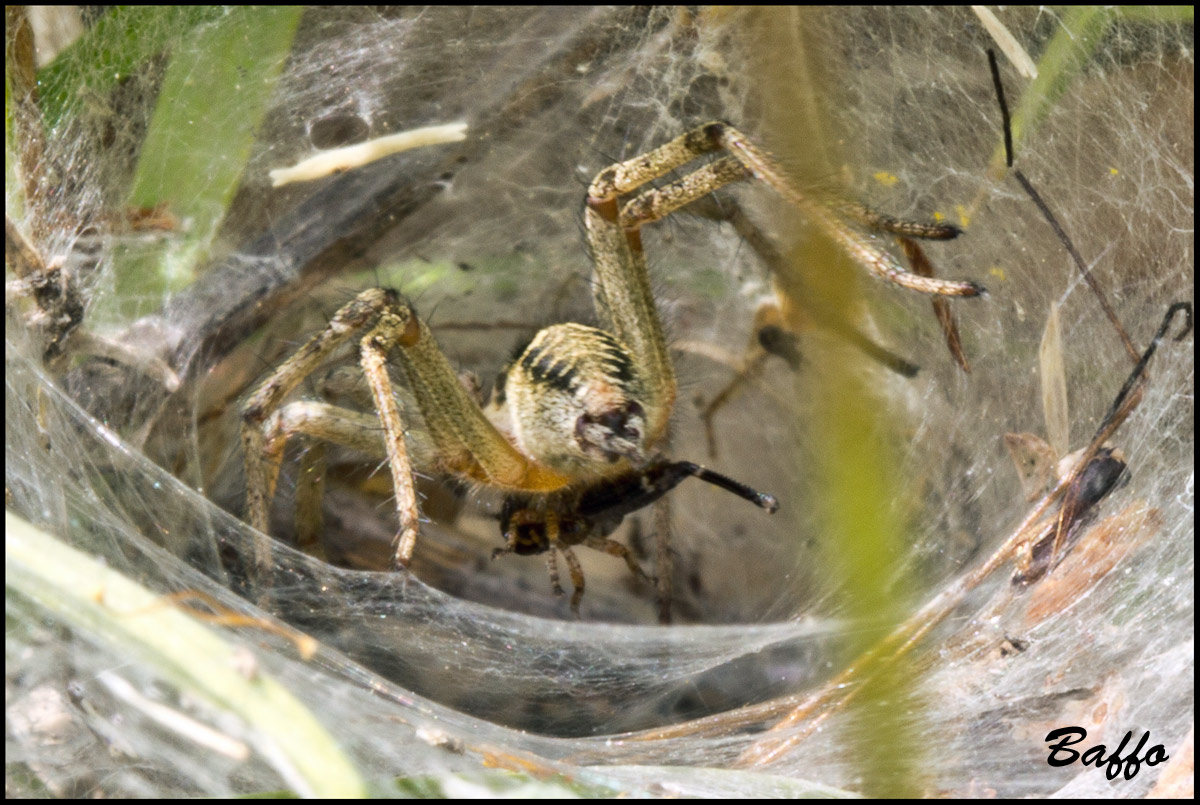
x,y
760,499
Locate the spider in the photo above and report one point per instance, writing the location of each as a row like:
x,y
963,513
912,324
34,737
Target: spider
x,y
575,426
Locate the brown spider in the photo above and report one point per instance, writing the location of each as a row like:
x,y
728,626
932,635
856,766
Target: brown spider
x,y
574,429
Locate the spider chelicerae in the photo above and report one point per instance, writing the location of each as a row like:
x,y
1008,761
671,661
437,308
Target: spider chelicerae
x,y
574,429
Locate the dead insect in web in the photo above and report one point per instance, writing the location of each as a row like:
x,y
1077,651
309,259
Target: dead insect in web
x,y
1088,475
1043,463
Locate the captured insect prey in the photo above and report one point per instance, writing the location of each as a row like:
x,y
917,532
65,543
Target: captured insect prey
x,y
598,511
576,427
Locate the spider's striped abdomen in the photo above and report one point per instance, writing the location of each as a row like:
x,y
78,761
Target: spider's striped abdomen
x,y
578,403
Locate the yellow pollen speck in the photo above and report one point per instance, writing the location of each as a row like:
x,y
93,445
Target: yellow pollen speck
x,y
886,179
964,220
998,273
1113,171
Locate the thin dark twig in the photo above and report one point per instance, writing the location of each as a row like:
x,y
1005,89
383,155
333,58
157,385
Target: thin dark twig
x,y
1083,269
1139,370
1051,218
1005,119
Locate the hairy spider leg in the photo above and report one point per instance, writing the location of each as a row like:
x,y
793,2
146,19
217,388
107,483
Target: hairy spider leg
x,y
310,492
263,456
467,443
748,160
622,290
552,544
614,548
873,219
576,571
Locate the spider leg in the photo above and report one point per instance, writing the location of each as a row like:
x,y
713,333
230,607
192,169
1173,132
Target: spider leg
x,y
624,301
652,205
310,490
772,336
657,203
614,548
664,564
264,441
873,219
623,296
552,569
320,421
393,330
510,545
573,567
622,289
863,250
748,160
941,306
262,465
467,444
750,368
796,306
576,571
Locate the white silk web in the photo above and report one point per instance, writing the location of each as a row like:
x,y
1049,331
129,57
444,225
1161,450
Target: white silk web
x,y
144,167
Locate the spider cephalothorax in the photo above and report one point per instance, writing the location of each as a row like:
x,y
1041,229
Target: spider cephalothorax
x,y
576,428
